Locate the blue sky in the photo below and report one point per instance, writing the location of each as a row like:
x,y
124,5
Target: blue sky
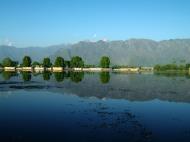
x,y
48,22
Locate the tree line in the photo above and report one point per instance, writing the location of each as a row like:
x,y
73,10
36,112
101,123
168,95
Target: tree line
x,y
168,67
75,62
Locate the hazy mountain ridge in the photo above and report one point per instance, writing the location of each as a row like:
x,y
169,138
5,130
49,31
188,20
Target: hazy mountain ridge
x,y
141,52
131,52
36,53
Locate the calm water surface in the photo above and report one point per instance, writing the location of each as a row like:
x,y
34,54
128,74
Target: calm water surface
x,y
93,107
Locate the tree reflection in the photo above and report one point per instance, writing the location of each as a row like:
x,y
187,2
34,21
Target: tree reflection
x,y
46,75
172,74
67,75
8,75
59,76
105,77
26,76
76,76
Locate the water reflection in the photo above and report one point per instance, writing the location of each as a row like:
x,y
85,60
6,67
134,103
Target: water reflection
x,y
173,74
59,76
76,76
8,75
26,76
47,75
105,77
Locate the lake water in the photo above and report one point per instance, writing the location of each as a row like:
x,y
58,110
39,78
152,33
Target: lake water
x,y
94,107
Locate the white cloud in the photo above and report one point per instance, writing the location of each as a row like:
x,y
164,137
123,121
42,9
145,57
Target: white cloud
x,y
8,42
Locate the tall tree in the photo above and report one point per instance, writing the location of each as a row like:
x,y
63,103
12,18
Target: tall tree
x,y
59,62
77,62
105,62
7,62
47,63
67,64
26,61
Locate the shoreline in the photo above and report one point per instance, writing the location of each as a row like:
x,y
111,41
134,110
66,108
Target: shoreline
x,y
61,69
114,70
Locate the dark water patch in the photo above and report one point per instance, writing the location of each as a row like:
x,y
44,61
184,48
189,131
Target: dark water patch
x,y
28,87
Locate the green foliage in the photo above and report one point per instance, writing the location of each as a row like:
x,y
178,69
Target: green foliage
x,y
105,77
26,62
187,66
89,66
7,62
120,66
59,62
15,63
34,64
26,76
171,67
105,62
47,63
157,67
77,76
67,64
77,62
181,67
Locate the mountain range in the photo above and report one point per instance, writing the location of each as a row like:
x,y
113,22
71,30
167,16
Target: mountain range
x,y
133,52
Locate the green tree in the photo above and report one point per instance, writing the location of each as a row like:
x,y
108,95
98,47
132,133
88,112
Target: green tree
x,y
181,67
67,64
105,62
76,62
7,62
157,67
26,62
34,64
47,63
105,77
15,63
187,66
59,62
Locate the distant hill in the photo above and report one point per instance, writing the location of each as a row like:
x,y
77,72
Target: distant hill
x,y
138,52
36,53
